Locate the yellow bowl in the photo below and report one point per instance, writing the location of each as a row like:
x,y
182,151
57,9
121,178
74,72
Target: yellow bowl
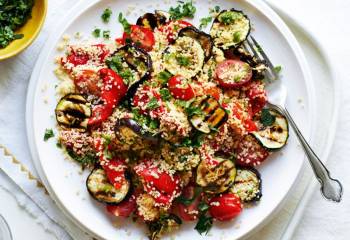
x,y
30,30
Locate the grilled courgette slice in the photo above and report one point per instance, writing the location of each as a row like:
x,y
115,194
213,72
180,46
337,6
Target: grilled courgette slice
x,y
230,28
216,179
103,191
73,111
210,115
203,38
184,57
275,136
247,185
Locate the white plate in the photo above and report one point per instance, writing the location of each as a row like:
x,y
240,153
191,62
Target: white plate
x,y
67,186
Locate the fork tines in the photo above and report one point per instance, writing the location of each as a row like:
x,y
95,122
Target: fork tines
x,y
259,53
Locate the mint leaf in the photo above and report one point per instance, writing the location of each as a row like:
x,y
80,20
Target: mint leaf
x,y
267,119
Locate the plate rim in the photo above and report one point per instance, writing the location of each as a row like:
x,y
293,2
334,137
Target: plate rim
x,y
79,8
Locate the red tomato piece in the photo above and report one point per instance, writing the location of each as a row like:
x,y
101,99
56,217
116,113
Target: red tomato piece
x,y
77,58
142,37
123,209
250,153
172,28
190,212
115,171
180,88
112,92
213,91
257,96
166,185
246,119
225,207
87,82
149,102
233,73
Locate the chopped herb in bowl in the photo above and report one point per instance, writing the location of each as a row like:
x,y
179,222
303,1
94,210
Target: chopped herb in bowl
x,y
13,15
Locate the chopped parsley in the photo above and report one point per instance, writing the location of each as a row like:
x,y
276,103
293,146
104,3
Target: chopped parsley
x,y
116,64
182,10
164,77
267,119
106,34
13,15
183,61
106,15
89,159
126,25
165,94
214,10
203,207
229,17
96,33
204,224
48,134
237,37
205,21
144,120
152,104
277,69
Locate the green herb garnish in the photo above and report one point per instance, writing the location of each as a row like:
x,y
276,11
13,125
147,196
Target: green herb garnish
x,y
116,64
126,25
267,119
13,15
214,10
204,22
277,69
165,94
237,37
106,34
203,207
204,224
96,33
152,104
164,77
229,17
106,15
183,61
48,134
182,10
89,159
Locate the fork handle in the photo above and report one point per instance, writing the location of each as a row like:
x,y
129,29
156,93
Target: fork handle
x,y
331,188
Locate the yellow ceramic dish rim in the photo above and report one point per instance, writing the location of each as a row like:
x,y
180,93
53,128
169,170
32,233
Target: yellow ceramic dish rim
x,y
29,39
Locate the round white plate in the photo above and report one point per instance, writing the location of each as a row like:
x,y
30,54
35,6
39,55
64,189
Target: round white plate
x,y
62,177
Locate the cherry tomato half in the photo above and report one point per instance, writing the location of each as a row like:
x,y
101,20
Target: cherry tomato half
x,y
225,207
233,73
143,37
180,88
250,153
257,96
87,82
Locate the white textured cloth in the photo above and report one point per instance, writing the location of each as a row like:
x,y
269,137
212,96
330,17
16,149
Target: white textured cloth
x,y
330,223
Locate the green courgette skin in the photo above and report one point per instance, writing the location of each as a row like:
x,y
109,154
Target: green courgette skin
x,y
73,111
258,187
271,143
101,190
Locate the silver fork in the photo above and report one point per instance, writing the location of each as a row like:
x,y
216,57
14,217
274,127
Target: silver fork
x,y
331,188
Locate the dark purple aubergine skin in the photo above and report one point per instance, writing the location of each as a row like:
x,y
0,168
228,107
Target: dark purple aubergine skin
x,y
152,20
257,174
129,59
203,38
137,128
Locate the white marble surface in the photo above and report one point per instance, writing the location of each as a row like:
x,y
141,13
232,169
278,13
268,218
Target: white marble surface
x,y
321,220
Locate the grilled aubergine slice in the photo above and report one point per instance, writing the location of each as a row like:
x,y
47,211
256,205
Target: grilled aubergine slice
x,y
203,38
216,179
73,111
152,20
133,64
184,57
103,191
208,115
230,28
129,128
247,185
275,136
